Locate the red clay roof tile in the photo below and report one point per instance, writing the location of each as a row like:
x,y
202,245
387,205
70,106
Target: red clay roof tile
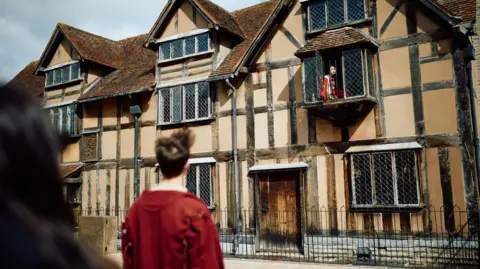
x,y
93,47
252,20
335,39
26,79
465,9
67,170
137,71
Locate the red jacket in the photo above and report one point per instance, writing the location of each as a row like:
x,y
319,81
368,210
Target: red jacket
x,y
170,230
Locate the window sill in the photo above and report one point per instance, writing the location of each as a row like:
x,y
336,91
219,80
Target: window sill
x,y
180,123
185,57
338,101
388,209
353,23
63,83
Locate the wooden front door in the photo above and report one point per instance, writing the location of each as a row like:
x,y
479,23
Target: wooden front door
x,y
279,211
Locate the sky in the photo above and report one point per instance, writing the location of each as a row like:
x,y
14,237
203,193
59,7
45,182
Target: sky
x,y
26,25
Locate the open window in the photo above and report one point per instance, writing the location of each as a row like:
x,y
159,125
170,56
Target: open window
x,y
337,75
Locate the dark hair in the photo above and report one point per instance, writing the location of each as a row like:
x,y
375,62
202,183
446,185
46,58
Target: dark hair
x,y
29,150
173,151
30,184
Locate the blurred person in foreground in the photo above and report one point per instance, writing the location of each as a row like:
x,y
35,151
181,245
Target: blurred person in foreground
x,y
167,227
36,223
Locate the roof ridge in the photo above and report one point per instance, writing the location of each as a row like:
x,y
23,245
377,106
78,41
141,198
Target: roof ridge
x,y
256,5
234,18
61,25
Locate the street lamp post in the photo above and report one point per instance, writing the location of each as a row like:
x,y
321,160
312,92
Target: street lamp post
x,y
136,112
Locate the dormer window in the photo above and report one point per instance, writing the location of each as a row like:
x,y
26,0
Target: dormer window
x,y
62,74
329,13
182,46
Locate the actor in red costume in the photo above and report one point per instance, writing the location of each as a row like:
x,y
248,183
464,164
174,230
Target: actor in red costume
x,y
329,90
167,227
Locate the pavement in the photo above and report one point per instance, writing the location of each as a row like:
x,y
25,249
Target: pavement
x,y
264,264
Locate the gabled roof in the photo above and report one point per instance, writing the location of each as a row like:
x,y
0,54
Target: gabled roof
x,y
26,79
91,47
137,71
214,13
253,19
336,39
464,9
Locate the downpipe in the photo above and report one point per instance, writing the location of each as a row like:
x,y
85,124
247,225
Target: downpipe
x,y
238,213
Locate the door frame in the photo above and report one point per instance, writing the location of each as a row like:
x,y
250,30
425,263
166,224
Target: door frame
x,y
301,185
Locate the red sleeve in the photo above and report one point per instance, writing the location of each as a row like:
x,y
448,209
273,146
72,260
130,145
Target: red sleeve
x,y
203,244
324,89
127,240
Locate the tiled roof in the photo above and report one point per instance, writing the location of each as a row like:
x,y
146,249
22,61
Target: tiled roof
x,y
137,71
252,19
221,17
93,47
26,79
465,9
67,170
335,39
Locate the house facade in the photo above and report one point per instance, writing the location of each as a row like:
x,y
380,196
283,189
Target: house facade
x,y
312,117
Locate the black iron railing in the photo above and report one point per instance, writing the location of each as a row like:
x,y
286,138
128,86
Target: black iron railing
x,y
417,237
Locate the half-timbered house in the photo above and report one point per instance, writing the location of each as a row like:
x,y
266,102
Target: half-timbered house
x,y
313,118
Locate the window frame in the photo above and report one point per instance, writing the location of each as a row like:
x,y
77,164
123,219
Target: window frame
x,y
396,204
365,76
198,179
60,69
58,119
161,57
346,21
160,112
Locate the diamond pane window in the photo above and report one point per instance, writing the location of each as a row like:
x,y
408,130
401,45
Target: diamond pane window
x,y
311,80
189,45
177,46
191,180
202,41
336,12
176,104
165,105
203,100
199,182
66,73
49,78
190,101
58,76
356,10
64,119
362,179
405,169
382,173
392,183
317,12
353,72
165,51
328,13
76,71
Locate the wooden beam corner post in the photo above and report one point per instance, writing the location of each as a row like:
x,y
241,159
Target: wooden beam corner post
x,y
465,129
